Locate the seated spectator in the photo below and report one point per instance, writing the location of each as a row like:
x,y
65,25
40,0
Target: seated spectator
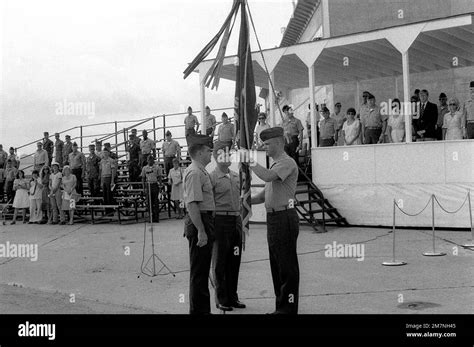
x,y
327,129
21,200
454,123
396,124
351,129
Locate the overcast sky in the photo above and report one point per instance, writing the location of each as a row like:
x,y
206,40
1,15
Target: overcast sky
x,y
124,56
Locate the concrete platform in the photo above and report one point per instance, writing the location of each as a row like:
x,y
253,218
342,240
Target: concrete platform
x,y
99,267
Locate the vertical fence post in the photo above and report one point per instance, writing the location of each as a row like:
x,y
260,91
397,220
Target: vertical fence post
x,y
154,129
394,262
434,253
80,134
471,243
164,127
116,138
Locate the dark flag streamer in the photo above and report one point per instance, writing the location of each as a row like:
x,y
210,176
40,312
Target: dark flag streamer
x,y
245,98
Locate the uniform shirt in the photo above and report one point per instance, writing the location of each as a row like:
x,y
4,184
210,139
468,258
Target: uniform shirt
x,y
2,176
468,110
190,121
210,121
147,145
134,148
59,146
106,167
292,127
339,118
10,174
55,180
198,188
15,160
327,128
363,110
151,173
48,146
226,132
280,193
40,157
170,149
3,158
92,165
77,160
66,150
226,189
442,110
373,118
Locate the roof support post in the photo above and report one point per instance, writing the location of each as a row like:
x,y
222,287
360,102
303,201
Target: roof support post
x,y
312,101
357,97
406,95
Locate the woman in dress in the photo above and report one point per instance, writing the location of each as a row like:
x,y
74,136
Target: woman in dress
x,y
36,195
351,129
396,124
21,200
45,203
68,185
454,122
175,179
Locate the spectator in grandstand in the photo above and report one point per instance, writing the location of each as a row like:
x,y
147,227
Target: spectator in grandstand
x,y
373,122
55,195
21,200
3,158
151,176
70,195
171,151
454,123
147,147
226,131
36,196
92,172
261,125
107,170
442,110
468,113
10,175
340,118
44,175
396,123
191,124
133,148
2,184
175,180
364,107
40,158
351,129
327,129
293,132
13,157
67,149
428,117
211,123
48,146
58,150
77,163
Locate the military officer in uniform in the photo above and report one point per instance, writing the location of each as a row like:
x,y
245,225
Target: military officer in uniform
x,y
282,219
199,222
227,248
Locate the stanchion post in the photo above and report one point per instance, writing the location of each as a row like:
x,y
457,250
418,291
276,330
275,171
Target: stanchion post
x,y
471,243
434,253
393,262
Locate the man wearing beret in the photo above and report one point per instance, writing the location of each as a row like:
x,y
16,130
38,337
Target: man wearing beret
x,y
199,222
227,248
468,112
282,219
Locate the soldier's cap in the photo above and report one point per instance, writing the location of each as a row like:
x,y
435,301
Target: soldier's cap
x,y
12,148
134,131
271,133
39,143
442,95
471,85
68,136
74,144
371,96
46,133
199,139
107,144
55,163
218,145
92,146
98,142
168,133
56,134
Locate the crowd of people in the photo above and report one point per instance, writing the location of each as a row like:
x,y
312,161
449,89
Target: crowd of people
x,y
372,124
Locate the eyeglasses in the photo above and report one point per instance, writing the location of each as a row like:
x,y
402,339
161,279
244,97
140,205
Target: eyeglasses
x,y
261,118
452,104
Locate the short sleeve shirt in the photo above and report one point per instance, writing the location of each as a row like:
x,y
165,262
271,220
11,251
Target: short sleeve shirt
x,y
147,145
151,173
92,165
3,157
211,121
226,188
170,149
292,127
190,121
226,132
468,110
55,180
76,160
327,128
280,193
198,188
373,118
106,166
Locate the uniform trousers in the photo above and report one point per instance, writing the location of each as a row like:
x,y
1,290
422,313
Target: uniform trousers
x,y
282,235
226,256
200,264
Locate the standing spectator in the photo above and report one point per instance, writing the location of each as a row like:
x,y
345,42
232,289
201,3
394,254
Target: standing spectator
x,y
175,180
55,195
67,149
21,201
374,124
10,175
58,150
92,172
293,130
171,151
442,110
147,147
3,158
77,163
210,123
327,129
2,184
191,123
133,148
44,176
468,113
48,146
396,124
416,94
112,154
454,122
351,129
339,117
151,175
68,185
364,107
428,117
40,158
14,158
261,125
36,196
107,170
226,131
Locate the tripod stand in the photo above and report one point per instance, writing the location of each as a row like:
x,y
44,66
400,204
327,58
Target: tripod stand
x,y
154,257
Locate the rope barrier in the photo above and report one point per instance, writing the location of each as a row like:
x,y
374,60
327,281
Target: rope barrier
x,y
416,214
457,210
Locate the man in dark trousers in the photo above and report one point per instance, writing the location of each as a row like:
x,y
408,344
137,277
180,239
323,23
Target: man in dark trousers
x,y
425,125
227,248
199,222
282,219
